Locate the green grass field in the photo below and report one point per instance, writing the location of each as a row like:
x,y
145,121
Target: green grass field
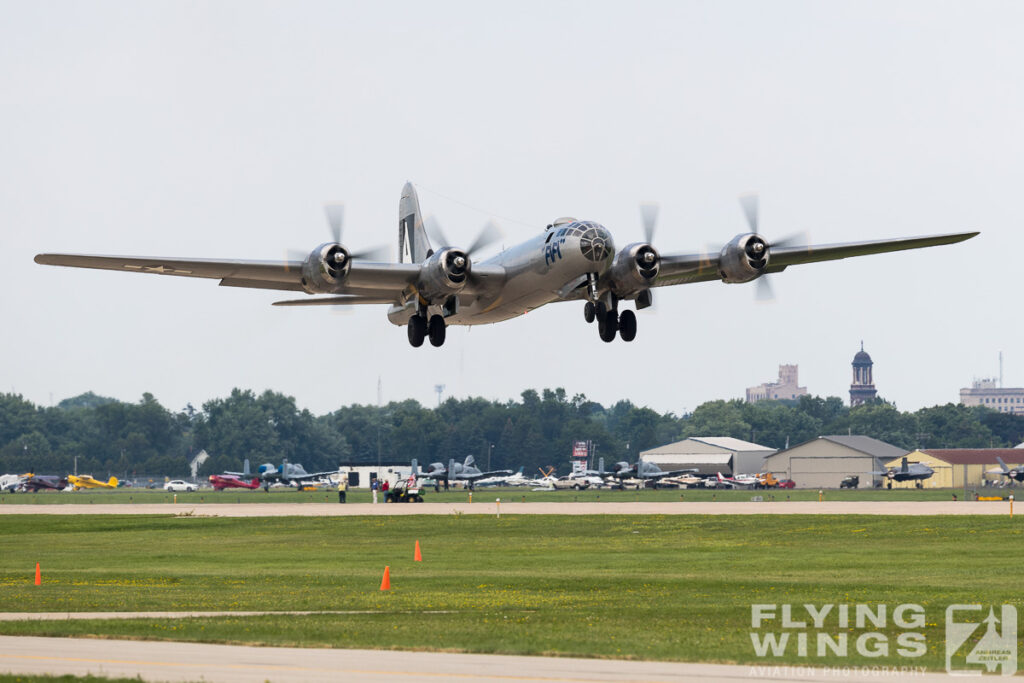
x,y
507,495
648,587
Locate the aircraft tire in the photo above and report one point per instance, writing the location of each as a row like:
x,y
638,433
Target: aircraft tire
x,y
589,312
627,326
436,330
417,330
610,326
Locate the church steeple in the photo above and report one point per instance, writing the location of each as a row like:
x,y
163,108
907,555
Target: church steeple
x,y
863,386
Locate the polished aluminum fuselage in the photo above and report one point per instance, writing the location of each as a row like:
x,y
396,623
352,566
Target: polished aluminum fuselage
x,y
522,278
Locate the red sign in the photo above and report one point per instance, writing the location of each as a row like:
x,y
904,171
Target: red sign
x,y
579,449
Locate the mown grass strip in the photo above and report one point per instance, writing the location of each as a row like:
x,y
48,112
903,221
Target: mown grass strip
x,y
672,588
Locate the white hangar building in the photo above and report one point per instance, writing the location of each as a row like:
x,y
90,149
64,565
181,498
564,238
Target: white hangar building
x,y
710,454
825,461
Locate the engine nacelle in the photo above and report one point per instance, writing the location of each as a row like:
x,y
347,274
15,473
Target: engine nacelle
x,y
445,273
634,269
325,268
743,259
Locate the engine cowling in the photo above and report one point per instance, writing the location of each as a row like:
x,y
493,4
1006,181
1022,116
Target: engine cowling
x,y
634,269
445,273
743,259
325,268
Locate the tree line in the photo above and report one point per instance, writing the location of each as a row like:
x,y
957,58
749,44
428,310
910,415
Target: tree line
x,y
108,436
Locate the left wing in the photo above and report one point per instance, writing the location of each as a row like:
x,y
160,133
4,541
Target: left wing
x,y
686,268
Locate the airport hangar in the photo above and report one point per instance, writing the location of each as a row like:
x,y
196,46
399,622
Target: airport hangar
x,y
827,460
954,466
709,455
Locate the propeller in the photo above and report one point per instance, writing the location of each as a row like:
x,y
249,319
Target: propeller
x,y
335,213
488,235
750,204
649,216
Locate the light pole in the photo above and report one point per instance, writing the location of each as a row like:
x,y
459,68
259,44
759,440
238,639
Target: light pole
x,y
490,448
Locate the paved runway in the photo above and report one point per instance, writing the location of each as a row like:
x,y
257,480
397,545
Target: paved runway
x,y
491,508
163,661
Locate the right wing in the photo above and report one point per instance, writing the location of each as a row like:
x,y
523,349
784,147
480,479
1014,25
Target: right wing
x,y
282,275
367,282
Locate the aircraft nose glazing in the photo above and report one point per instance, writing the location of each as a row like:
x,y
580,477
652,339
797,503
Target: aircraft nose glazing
x,y
595,241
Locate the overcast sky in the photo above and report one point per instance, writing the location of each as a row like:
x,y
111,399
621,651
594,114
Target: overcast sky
x,y
219,130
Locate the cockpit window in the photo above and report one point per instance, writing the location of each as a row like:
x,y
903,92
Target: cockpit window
x,y
559,222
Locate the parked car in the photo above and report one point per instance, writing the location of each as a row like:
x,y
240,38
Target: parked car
x,y
850,482
786,483
179,485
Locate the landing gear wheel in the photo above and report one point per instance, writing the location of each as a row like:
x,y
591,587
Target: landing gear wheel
x,y
627,326
588,312
417,330
436,330
600,311
608,326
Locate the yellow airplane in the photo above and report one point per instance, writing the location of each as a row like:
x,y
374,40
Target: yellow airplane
x,y
86,481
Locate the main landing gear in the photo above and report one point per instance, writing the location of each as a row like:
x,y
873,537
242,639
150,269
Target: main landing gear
x,y
419,328
610,322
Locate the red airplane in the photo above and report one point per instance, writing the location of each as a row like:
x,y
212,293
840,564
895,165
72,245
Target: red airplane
x,y
227,481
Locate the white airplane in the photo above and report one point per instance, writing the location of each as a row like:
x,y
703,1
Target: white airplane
x,y
571,260
514,479
739,481
10,482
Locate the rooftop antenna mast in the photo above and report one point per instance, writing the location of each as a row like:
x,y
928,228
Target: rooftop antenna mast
x,y
1000,370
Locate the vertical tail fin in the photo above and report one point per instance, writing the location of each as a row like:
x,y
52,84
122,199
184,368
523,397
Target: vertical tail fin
x,y
245,468
411,235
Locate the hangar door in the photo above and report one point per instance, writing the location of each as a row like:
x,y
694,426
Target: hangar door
x,y
824,471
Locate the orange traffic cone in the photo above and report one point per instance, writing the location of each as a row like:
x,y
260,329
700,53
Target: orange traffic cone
x,y
385,583
416,557
39,577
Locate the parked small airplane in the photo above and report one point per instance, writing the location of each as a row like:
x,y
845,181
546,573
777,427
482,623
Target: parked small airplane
x,y
1015,473
86,481
45,482
231,481
290,474
10,482
643,471
570,260
915,471
515,479
746,481
466,471
684,481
